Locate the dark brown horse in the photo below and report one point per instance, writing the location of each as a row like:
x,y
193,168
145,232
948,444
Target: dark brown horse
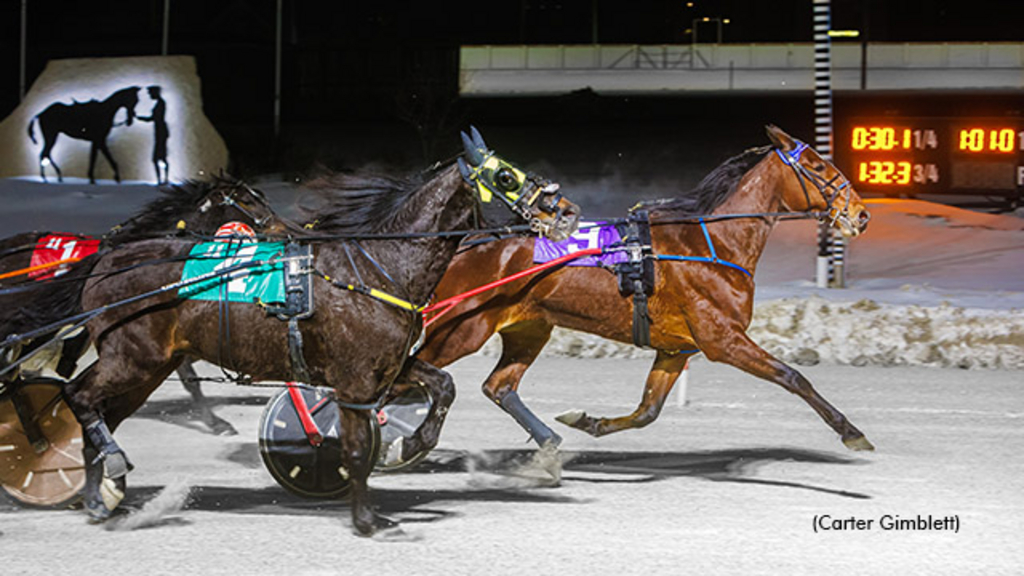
x,y
90,121
193,207
357,341
695,306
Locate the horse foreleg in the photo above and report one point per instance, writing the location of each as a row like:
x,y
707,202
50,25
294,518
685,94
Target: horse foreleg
x,y
106,464
737,349
357,459
662,377
92,164
110,159
520,347
190,380
442,394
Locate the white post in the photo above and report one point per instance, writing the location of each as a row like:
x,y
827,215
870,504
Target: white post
x,y
824,276
681,384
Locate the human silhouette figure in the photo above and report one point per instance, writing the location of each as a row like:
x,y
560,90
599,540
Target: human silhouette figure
x,y
160,134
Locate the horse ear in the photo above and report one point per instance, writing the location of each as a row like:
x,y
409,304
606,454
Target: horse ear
x,y
472,152
467,174
779,138
477,138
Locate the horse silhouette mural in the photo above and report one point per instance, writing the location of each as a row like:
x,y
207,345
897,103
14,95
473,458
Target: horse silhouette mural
x,y
91,121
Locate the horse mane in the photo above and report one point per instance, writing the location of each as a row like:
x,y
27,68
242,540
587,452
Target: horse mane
x,y
714,189
47,302
360,203
176,202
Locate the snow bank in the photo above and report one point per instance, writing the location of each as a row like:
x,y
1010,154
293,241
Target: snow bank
x,y
807,331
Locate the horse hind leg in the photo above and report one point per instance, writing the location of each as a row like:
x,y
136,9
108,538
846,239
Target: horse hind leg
x,y
521,345
662,377
190,380
45,156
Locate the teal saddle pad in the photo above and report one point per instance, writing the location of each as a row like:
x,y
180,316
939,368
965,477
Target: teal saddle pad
x,y
261,282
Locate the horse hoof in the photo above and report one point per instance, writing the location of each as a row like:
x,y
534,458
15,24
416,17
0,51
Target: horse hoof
x,y
112,492
222,428
374,526
859,443
571,418
393,455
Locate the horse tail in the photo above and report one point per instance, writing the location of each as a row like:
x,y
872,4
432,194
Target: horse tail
x,y
31,132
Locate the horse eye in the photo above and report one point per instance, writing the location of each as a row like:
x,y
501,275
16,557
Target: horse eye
x,y
819,167
506,180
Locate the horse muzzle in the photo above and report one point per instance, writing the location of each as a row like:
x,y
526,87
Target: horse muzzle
x,y
566,221
852,226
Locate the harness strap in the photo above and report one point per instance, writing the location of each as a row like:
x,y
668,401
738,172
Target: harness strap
x,y
300,370
713,259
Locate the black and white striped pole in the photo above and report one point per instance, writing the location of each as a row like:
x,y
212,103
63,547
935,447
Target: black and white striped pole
x,y
829,272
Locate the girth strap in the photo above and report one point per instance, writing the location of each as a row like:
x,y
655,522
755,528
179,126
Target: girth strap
x,y
636,276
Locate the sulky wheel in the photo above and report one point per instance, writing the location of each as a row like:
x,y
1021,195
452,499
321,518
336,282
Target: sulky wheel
x,y
399,419
296,464
46,470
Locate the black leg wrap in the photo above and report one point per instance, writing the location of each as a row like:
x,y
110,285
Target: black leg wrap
x,y
115,461
541,434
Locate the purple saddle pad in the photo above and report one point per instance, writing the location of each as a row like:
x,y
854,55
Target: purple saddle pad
x,y
590,235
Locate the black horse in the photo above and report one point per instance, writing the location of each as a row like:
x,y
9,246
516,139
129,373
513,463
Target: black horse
x,y
198,207
90,121
367,293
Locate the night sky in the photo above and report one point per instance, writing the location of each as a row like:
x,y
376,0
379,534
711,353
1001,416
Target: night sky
x,y
347,61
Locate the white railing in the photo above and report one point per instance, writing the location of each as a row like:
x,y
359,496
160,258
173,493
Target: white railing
x,y
703,67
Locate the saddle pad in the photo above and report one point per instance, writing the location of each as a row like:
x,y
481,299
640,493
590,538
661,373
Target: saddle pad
x,y
590,235
56,247
264,282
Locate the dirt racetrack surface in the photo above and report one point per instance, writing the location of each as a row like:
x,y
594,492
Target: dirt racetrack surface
x,y
731,483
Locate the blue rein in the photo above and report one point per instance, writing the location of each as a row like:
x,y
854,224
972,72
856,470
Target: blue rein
x,y
713,259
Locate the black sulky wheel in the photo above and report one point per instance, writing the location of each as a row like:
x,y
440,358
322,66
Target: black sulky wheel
x,y
296,464
43,468
400,419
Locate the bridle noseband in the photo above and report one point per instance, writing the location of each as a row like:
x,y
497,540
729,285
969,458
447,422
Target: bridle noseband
x,y
792,159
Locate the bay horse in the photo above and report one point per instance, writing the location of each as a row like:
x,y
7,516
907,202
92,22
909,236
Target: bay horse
x,y
380,247
90,121
194,207
698,306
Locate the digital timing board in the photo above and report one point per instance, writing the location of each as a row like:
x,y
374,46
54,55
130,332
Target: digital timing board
x,y
920,155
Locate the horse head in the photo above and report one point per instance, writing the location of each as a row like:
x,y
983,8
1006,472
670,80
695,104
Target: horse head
x,y
835,197
532,197
126,98
238,201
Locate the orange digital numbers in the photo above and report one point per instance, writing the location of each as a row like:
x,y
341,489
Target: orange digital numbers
x,y
881,138
986,139
884,172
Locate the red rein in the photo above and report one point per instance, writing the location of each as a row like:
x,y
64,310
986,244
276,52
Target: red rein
x,y
449,303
